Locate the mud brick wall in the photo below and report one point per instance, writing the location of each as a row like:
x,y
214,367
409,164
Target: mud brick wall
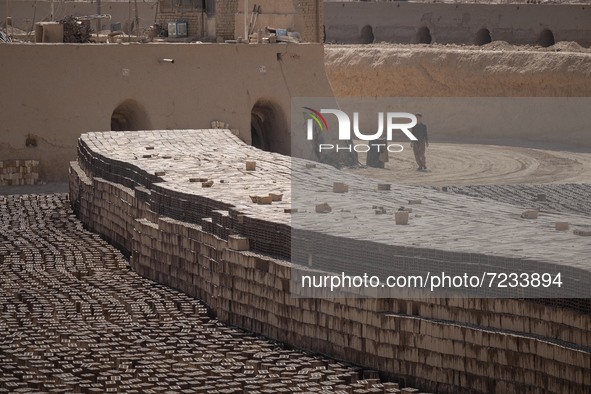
x,y
194,19
148,105
225,18
313,13
303,16
440,345
19,172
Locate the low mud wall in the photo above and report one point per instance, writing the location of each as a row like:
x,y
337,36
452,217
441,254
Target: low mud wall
x,y
440,345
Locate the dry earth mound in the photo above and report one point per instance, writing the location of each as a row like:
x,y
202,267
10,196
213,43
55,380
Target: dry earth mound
x,y
452,70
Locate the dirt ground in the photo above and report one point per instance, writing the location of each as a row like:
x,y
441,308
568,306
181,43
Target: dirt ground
x,y
47,188
497,45
472,164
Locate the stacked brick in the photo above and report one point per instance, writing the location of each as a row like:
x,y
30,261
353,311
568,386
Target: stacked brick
x,y
225,18
572,197
193,17
226,11
187,237
312,12
19,172
76,319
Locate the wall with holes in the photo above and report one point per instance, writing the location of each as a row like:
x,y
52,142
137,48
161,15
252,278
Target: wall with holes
x,y
54,92
416,23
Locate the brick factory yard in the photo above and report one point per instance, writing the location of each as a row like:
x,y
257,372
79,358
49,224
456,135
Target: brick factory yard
x,y
74,318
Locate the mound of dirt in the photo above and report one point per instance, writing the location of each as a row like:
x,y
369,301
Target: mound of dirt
x,y
499,46
569,46
15,31
456,71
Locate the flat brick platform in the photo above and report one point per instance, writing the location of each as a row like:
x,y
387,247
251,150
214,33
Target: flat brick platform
x,y
150,194
447,231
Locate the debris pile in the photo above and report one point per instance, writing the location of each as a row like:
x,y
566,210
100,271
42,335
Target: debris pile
x,y
4,37
76,31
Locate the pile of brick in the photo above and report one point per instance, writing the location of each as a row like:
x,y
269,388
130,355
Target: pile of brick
x,y
74,318
19,172
194,239
215,181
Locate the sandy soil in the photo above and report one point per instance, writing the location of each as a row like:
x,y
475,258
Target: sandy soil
x,y
494,70
504,46
468,164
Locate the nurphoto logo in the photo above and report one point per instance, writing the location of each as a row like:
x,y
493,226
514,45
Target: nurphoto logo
x,y
394,121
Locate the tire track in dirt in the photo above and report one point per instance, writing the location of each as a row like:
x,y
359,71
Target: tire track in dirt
x,y
472,164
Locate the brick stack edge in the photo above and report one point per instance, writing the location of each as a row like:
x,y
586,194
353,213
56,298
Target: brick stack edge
x,y
440,345
19,172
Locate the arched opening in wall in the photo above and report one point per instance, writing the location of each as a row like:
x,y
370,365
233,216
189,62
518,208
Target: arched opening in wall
x,y
546,38
482,37
268,128
129,116
423,36
367,36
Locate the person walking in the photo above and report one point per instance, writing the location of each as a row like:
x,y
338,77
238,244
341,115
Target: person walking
x,y
419,147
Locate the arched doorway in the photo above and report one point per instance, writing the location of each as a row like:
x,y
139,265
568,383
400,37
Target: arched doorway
x,y
367,36
482,37
268,128
423,36
546,38
129,116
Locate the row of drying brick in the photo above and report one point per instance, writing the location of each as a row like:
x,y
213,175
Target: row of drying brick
x,y
112,331
405,337
265,237
413,307
176,200
247,313
170,239
196,278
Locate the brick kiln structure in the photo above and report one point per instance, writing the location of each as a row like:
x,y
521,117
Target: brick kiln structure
x,y
262,78
151,194
455,23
